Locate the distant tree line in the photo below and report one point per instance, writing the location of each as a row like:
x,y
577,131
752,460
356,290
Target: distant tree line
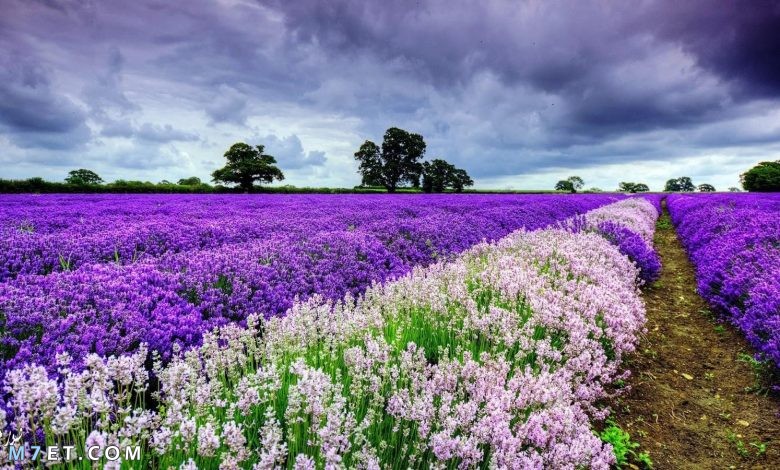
x,y
396,166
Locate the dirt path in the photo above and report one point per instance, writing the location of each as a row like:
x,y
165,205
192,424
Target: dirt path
x,y
688,406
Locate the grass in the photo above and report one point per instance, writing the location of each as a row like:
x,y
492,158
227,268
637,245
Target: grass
x,y
664,223
764,373
624,448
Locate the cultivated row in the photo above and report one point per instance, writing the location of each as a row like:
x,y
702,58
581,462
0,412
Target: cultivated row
x,y
734,242
51,233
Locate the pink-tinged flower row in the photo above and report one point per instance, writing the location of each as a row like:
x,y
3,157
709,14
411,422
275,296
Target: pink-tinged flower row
x,y
628,224
498,358
734,242
44,234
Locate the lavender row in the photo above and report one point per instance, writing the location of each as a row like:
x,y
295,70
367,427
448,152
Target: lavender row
x,y
109,308
734,242
499,358
44,234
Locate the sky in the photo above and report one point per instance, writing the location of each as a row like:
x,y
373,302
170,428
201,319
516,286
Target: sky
x,y
518,93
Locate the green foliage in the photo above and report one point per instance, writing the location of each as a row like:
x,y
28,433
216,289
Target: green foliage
x,y
764,373
577,182
397,162
565,185
191,181
83,177
571,184
738,443
439,175
247,164
629,187
682,184
623,447
706,188
764,177
760,447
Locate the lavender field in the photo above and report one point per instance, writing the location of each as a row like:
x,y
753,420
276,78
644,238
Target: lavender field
x,y
734,242
322,331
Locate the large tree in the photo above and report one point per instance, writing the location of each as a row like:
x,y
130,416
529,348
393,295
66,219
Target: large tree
x,y
397,162
247,164
83,177
438,175
682,184
764,177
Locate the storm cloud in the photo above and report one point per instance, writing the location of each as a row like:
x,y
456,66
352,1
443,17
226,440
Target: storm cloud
x,y
516,92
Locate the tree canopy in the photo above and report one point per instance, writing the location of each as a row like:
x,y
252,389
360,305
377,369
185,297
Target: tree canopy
x,y
438,175
397,162
83,177
191,181
571,184
565,185
764,177
577,182
706,188
247,164
682,184
629,187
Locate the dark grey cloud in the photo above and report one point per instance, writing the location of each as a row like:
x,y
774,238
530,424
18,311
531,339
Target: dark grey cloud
x,y
105,93
146,132
32,112
501,87
228,105
738,41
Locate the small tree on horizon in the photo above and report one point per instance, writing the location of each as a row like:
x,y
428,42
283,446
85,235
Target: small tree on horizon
x,y
83,177
629,187
247,164
706,188
565,185
396,162
682,184
576,182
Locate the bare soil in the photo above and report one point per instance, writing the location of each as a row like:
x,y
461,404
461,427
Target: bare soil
x,y
691,404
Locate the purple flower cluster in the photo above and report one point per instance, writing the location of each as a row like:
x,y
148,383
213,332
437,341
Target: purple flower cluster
x,y
734,242
632,245
83,274
44,234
